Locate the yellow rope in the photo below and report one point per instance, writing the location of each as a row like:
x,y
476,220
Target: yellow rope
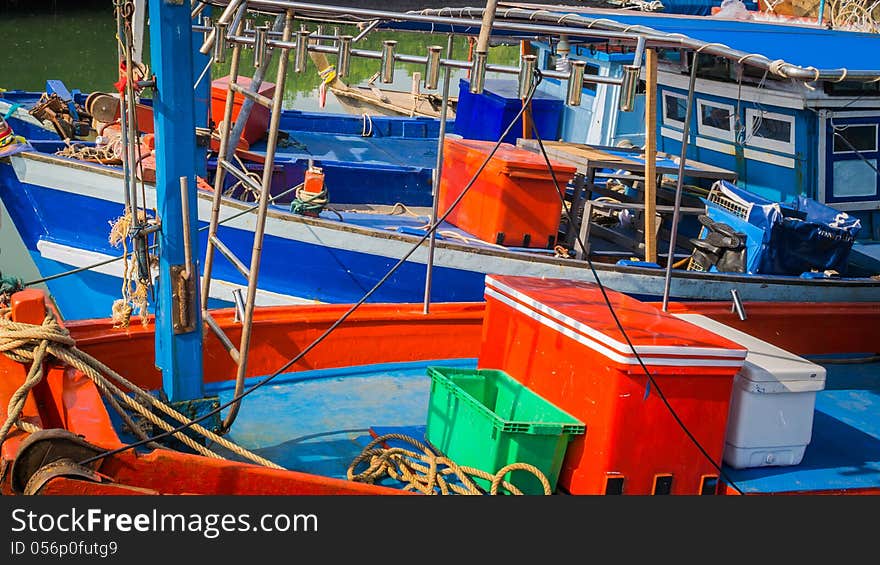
x,y
28,343
427,473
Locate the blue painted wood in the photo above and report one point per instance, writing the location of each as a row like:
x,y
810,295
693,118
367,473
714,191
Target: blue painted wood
x,y
178,356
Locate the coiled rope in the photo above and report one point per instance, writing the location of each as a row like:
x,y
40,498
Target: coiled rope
x,y
425,472
309,203
34,344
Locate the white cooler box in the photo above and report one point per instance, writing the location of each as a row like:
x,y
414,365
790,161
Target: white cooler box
x,y
771,408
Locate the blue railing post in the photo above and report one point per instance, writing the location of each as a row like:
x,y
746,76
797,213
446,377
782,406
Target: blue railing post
x,y
178,316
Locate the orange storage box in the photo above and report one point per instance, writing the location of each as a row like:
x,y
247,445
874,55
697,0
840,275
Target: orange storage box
x,y
258,120
559,339
513,202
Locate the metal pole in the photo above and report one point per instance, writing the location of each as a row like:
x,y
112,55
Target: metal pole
x,y
670,257
444,108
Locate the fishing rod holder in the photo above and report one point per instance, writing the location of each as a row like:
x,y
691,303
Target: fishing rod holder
x,y
299,54
432,67
527,66
575,81
629,86
261,47
220,42
478,72
343,60
478,66
387,65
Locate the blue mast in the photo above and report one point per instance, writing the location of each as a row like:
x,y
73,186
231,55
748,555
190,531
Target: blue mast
x,y
178,316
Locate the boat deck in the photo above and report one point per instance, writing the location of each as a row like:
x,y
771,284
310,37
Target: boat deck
x,y
844,453
319,421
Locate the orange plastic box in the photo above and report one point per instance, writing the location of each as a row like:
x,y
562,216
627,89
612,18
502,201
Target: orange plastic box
x,y
258,121
512,203
558,338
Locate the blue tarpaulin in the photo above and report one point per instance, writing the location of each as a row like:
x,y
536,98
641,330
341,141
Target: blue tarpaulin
x,y
789,238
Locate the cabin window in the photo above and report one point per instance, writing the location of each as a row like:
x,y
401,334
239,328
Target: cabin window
x,y
674,109
855,178
852,160
716,120
769,130
852,138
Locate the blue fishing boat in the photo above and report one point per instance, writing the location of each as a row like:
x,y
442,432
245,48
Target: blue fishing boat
x,y
341,248
486,397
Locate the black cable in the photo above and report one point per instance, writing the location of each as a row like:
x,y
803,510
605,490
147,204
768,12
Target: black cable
x,y
653,382
342,318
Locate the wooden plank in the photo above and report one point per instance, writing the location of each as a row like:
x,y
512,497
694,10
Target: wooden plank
x,y
651,155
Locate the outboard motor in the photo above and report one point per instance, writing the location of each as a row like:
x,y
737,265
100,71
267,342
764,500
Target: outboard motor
x,y
723,247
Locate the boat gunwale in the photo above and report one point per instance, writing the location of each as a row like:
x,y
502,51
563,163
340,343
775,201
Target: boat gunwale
x,y
523,256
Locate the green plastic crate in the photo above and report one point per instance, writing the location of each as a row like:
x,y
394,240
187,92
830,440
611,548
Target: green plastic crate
x,y
485,419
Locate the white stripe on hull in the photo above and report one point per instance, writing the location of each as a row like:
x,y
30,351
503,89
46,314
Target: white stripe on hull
x,y
93,182
220,289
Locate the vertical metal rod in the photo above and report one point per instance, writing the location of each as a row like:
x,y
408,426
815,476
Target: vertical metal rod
x,y
527,66
738,305
260,45
260,228
478,73
220,42
651,156
432,67
299,55
387,66
220,175
481,50
238,301
187,237
343,60
575,82
432,240
123,117
670,257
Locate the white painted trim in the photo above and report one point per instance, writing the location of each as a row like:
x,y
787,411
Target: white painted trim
x,y
608,353
666,120
713,131
220,289
527,305
671,134
723,90
774,145
713,145
851,206
843,103
770,158
846,114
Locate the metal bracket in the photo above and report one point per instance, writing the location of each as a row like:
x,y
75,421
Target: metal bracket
x,y
182,300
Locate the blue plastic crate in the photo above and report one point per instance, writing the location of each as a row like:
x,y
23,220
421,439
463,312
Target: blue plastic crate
x,y
485,116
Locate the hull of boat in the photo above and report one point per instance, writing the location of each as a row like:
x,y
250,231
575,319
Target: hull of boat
x,y
62,210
